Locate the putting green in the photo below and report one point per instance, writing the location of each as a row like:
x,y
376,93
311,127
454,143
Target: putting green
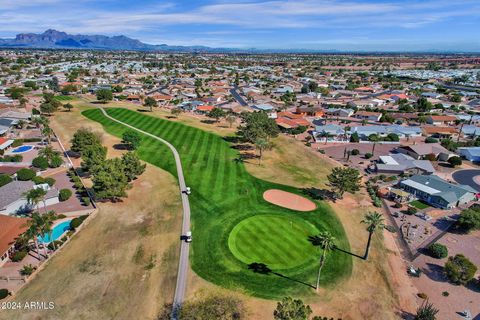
x,y
280,242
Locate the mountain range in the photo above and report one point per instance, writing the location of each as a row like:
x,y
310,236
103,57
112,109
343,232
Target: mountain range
x,y
53,39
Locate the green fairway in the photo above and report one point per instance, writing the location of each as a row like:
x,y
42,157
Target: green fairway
x,y
225,197
64,98
281,242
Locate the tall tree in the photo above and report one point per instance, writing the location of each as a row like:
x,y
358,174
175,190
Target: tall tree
x,y
230,119
374,221
325,241
132,139
150,103
82,139
35,196
216,114
93,156
104,95
261,145
257,125
47,132
133,167
34,225
344,180
109,180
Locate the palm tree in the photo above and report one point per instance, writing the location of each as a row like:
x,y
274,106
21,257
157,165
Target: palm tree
x,y
48,133
426,311
34,196
262,145
34,225
325,241
230,119
48,152
48,220
375,221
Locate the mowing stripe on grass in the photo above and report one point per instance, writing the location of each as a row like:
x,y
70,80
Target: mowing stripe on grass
x,y
224,196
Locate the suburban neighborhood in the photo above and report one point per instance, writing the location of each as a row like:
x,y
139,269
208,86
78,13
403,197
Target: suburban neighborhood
x,y
366,162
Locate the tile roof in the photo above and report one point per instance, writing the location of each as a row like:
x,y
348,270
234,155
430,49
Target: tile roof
x,y
12,227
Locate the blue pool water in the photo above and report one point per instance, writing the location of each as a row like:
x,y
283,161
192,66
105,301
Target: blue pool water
x,y
22,149
57,232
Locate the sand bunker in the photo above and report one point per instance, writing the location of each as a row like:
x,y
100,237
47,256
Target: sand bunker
x,y
288,200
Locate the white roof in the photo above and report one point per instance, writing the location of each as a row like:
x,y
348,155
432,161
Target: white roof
x,y
420,186
388,160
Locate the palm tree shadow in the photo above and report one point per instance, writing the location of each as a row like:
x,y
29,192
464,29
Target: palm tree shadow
x,y
262,268
315,241
350,253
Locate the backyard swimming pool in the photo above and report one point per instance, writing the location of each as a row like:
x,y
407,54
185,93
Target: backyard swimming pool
x,y
22,149
57,232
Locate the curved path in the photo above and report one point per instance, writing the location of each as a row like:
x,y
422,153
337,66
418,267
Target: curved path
x,y
468,177
183,263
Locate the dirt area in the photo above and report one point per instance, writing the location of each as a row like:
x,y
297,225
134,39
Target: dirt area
x,y
288,200
290,162
337,152
433,282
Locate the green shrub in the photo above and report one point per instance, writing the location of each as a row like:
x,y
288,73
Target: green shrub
x,y
19,255
15,158
411,210
40,163
58,244
50,181
459,269
86,201
25,174
469,219
61,216
38,180
56,161
4,293
64,194
17,143
431,140
445,293
4,179
75,223
438,251
27,270
368,155
355,152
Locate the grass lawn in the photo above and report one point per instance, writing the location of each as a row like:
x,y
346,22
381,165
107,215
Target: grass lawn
x,y
286,238
224,196
419,204
65,98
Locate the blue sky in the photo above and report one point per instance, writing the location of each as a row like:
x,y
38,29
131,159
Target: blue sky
x,y
387,25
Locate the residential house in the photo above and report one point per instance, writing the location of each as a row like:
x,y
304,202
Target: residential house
x,y
340,112
332,132
420,151
13,200
204,109
367,115
470,153
440,131
311,111
5,143
437,192
11,229
397,163
441,120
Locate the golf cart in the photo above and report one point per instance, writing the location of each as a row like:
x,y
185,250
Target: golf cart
x,y
187,190
188,236
414,272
